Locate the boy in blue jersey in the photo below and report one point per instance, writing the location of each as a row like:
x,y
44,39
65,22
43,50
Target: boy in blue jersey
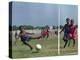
x,y
25,37
66,31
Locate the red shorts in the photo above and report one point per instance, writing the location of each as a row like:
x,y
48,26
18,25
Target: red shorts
x,y
71,36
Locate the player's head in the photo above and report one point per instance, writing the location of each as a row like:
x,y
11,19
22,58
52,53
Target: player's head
x,y
67,20
72,22
21,28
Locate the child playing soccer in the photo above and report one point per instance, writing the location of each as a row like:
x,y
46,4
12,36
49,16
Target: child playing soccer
x,y
25,38
72,32
45,32
66,31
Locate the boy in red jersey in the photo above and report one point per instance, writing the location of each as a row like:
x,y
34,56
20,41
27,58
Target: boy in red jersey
x,y
72,32
45,32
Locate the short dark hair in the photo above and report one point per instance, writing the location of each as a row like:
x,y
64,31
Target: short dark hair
x,y
67,19
72,20
20,27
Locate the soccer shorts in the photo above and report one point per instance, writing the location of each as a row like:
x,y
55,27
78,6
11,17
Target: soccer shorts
x,y
71,36
65,36
25,38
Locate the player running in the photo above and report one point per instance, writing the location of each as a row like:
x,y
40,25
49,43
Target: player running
x,y
66,31
25,37
45,32
72,32
16,37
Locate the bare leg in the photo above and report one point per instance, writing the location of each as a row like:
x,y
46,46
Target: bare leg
x,y
26,43
73,42
66,41
69,43
38,37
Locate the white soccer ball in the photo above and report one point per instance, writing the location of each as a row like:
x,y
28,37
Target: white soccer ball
x,y
38,46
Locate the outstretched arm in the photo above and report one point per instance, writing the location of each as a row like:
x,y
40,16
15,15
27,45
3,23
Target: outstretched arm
x,y
62,29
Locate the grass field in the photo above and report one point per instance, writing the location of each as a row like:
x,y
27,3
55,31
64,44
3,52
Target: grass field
x,y
49,48
68,50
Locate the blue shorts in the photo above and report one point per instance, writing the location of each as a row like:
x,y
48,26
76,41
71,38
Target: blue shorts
x,y
65,36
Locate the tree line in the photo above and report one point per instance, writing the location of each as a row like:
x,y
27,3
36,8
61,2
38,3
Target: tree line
x,y
30,27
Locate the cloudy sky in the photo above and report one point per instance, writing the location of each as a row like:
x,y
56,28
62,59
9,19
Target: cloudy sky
x,y
41,14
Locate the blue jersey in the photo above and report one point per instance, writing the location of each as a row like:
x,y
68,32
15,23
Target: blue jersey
x,y
66,29
25,37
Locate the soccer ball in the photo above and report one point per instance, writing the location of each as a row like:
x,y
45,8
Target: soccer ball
x,y
38,47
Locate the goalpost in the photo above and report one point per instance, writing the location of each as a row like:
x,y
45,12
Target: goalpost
x,y
58,30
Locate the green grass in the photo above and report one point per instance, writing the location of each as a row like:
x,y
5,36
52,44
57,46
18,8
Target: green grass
x,y
68,50
49,48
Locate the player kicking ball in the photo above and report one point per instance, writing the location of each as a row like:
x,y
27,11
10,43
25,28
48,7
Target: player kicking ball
x,y
66,31
72,32
25,37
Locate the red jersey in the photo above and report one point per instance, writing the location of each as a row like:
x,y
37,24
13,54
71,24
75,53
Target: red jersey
x,y
72,29
45,32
